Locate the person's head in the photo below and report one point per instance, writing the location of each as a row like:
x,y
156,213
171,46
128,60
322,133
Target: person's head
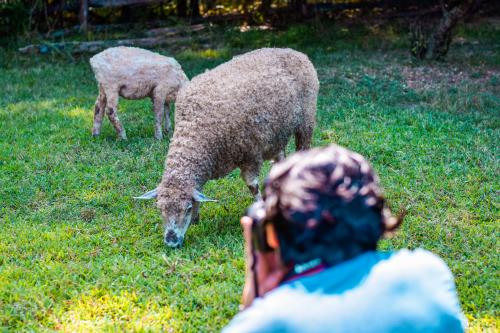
x,y
326,203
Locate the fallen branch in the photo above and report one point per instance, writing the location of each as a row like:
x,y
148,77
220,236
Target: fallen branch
x,y
412,13
166,31
96,46
174,31
119,3
221,18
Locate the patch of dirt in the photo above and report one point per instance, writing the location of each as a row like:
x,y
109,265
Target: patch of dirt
x,y
433,77
426,77
420,78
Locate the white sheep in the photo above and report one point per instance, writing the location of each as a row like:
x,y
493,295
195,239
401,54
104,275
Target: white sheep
x,y
234,116
134,73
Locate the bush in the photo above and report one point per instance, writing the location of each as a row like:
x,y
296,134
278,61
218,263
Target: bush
x,y
13,19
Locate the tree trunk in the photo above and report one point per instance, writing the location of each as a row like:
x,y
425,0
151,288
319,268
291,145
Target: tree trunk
x,y
265,8
195,8
434,45
182,8
299,8
84,15
209,5
440,40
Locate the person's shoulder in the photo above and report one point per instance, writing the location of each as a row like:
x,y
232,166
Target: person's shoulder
x,y
421,282
416,263
415,272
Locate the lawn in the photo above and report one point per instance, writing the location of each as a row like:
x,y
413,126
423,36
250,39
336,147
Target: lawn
x,y
78,254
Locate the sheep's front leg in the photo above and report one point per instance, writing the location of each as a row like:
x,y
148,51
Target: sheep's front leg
x,y
195,217
159,110
111,110
279,157
250,175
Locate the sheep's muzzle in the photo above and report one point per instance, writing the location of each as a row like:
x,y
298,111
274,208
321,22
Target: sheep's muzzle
x,y
172,240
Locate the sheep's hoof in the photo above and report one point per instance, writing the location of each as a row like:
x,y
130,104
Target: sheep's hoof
x,y
122,136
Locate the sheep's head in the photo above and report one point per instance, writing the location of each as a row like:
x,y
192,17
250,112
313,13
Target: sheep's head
x,y
177,212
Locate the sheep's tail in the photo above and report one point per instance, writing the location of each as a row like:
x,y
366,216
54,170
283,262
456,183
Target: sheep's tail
x,y
98,65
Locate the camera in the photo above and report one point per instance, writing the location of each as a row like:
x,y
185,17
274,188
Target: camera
x,y
257,213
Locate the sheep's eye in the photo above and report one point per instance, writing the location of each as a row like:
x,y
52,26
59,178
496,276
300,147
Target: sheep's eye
x,y
189,207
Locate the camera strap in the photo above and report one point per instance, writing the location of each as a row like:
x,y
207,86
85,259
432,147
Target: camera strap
x,y
306,269
254,273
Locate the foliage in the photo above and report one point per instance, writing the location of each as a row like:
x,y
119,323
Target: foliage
x,y
78,254
51,16
12,16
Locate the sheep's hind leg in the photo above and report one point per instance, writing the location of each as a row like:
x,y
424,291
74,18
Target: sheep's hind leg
x,y
99,108
304,132
251,177
303,137
111,110
167,126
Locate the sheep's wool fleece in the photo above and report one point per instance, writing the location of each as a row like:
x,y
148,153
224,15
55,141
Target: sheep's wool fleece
x,y
238,115
135,71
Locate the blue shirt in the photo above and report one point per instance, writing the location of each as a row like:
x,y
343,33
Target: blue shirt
x,y
404,291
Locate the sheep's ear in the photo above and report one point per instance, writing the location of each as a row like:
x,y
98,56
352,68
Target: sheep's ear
x,y
148,195
200,197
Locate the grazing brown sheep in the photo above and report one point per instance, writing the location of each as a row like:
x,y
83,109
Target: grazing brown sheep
x,y
237,115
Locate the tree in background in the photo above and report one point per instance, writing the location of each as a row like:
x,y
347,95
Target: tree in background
x,y
195,8
434,44
182,8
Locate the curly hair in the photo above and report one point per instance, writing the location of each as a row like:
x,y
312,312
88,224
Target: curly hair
x,y
326,203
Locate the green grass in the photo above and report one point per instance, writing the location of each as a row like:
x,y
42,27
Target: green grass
x,y
78,254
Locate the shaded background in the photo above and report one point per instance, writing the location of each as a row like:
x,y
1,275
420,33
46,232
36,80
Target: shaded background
x,y
56,18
